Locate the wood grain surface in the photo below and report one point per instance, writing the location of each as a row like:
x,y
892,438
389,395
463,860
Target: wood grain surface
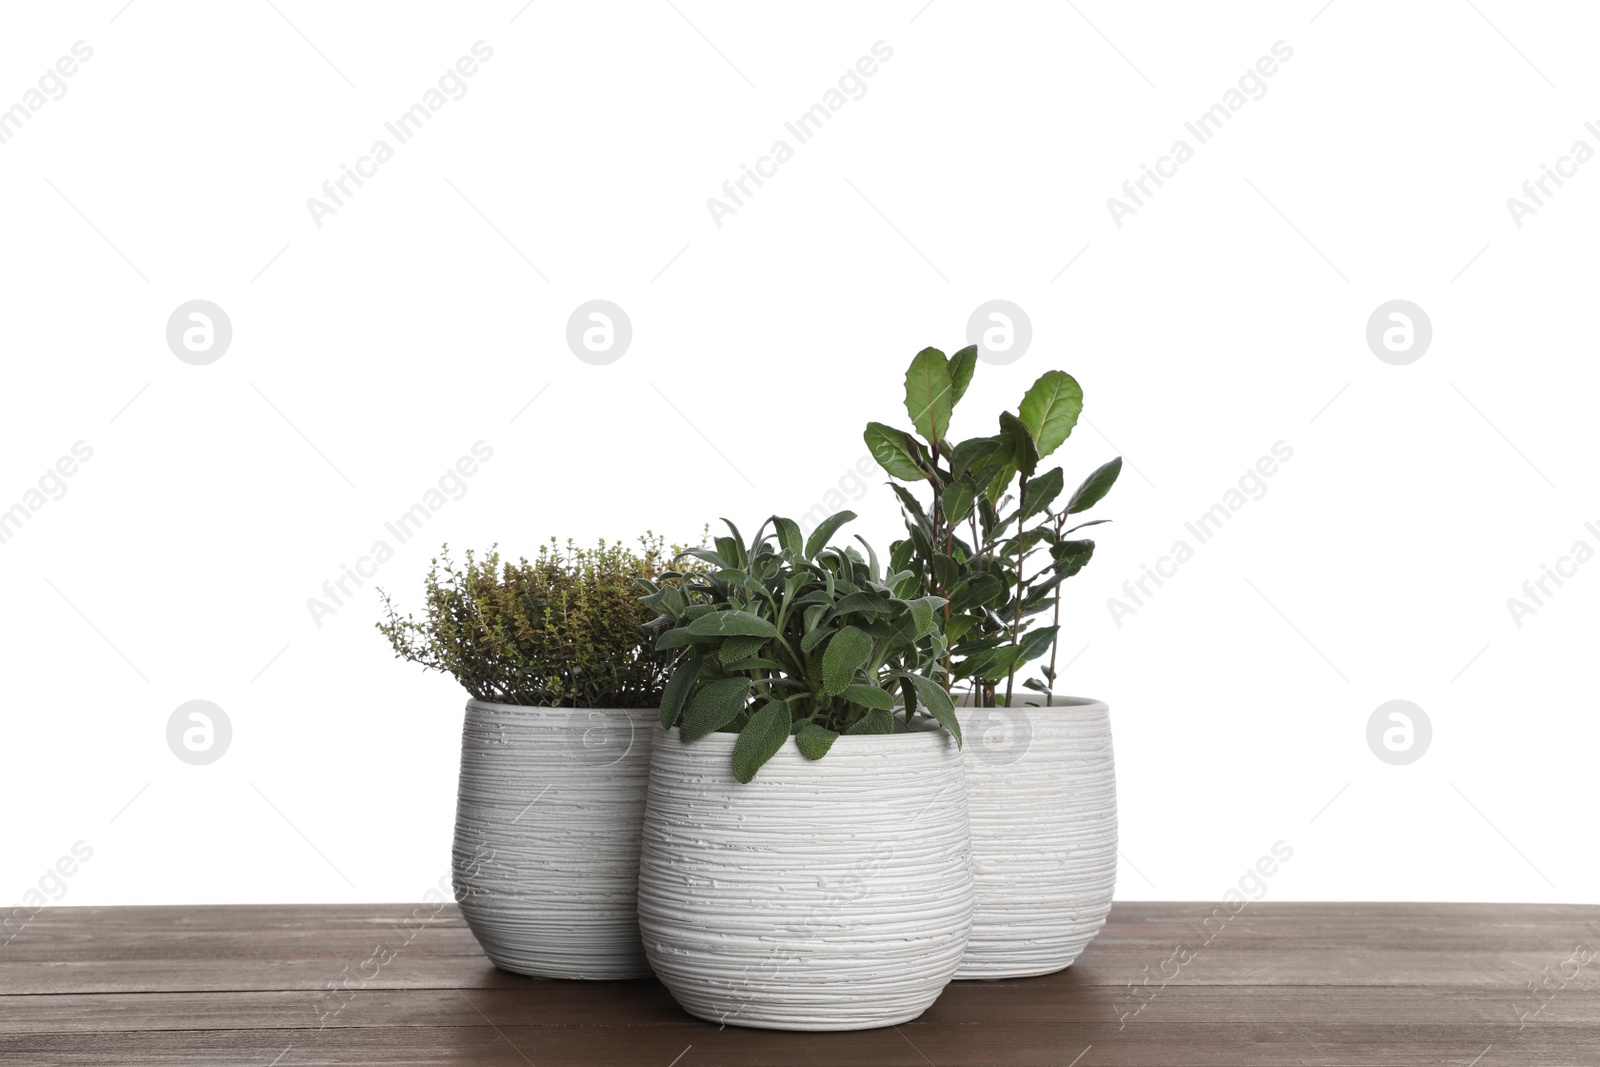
x,y
1294,984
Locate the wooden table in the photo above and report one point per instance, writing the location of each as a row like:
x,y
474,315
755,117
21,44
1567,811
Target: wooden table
x,y
1317,984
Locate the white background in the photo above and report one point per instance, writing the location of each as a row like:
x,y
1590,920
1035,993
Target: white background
x,y
1228,314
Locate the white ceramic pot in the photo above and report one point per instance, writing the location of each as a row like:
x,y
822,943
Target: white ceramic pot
x,y
1042,793
546,858
826,895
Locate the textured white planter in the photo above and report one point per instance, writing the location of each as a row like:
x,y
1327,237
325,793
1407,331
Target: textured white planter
x,y
546,858
827,895
1042,793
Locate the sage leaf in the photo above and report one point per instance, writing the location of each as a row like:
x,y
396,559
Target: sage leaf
x,y
760,739
713,706
847,653
813,741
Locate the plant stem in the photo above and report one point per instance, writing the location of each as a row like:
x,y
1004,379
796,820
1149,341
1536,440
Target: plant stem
x,y
1050,688
1022,555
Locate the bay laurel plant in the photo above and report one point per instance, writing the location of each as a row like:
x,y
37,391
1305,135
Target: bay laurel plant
x,y
784,637
564,630
992,539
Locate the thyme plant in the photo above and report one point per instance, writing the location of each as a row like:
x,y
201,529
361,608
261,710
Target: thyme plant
x,y
565,630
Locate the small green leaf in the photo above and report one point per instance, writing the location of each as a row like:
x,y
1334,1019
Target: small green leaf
x,y
872,559
755,663
937,703
788,534
846,654
668,600
813,638
892,451
813,741
760,739
967,454
999,483
824,532
675,639
1041,491
731,623
864,601
1073,556
714,706
1050,409
1035,643
738,648
912,505
962,364
921,617
672,697
869,696
874,722
980,590
1026,453
928,394
958,498
1094,487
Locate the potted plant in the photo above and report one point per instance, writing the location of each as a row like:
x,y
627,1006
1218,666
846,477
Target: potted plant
x,y
805,856
555,750
994,541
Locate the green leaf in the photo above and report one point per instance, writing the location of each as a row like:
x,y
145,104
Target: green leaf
x,y
1073,556
1035,643
813,741
1026,453
892,451
1041,491
714,706
731,550
869,696
874,722
928,394
1050,409
755,663
958,498
921,616
824,532
968,454
706,555
668,600
1094,487
962,364
999,483
788,535
738,648
936,702
813,638
980,590
731,623
846,654
912,505
675,639
677,689
872,559
870,603
760,739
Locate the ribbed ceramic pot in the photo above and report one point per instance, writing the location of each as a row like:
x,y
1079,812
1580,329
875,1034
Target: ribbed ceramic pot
x,y
546,858
826,895
1042,797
